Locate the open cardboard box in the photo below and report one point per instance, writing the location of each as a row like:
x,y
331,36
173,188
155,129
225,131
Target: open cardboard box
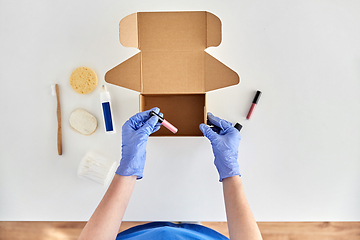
x,y
172,71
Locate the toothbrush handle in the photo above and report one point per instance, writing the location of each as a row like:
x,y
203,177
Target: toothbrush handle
x,y
58,113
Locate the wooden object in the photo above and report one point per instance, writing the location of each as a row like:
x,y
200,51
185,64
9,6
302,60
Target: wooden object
x,y
58,114
310,230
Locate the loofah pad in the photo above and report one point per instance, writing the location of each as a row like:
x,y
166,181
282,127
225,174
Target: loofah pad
x,y
83,80
83,122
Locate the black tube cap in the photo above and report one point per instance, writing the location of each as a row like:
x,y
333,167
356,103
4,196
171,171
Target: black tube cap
x,y
216,129
152,113
257,97
238,126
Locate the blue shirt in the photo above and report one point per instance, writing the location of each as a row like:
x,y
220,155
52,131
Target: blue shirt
x,y
168,230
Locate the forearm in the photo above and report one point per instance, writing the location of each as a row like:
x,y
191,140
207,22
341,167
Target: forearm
x,y
241,222
105,221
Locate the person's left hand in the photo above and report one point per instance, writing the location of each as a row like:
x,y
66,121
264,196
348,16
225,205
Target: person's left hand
x,y
135,133
225,141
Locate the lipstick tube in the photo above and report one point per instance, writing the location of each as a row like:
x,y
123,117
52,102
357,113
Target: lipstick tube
x,y
254,102
216,129
165,123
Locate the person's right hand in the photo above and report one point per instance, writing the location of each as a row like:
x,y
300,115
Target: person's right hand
x,y
135,133
225,146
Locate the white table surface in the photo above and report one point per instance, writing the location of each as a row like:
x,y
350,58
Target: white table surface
x,y
299,154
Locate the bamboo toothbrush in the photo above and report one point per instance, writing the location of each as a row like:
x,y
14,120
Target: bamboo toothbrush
x,y
55,92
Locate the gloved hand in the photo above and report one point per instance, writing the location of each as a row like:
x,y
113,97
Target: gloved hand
x,y
225,146
135,133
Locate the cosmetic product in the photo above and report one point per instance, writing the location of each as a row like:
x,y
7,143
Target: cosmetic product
x,y
238,126
254,102
164,122
97,168
216,129
55,92
107,111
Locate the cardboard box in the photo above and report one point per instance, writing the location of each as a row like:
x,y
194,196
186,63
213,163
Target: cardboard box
x,y
172,71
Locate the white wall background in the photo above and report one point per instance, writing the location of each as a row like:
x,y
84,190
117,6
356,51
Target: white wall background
x,y
299,154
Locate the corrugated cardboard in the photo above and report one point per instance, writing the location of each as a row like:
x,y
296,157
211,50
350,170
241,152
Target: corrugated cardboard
x,y
172,71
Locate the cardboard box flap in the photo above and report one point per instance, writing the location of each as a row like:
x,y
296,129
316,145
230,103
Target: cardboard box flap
x,y
126,74
128,30
170,31
218,75
172,72
213,30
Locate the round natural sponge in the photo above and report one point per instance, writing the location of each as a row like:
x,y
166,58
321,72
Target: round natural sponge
x,y
83,80
83,121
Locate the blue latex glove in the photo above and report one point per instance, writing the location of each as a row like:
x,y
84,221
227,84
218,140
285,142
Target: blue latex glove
x,y
225,146
135,133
